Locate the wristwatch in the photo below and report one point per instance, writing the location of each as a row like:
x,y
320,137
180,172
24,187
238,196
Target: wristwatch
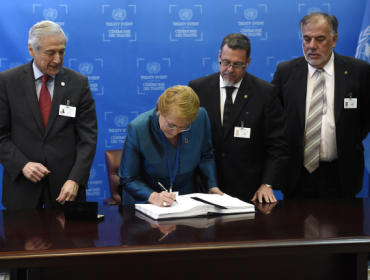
x,y
267,185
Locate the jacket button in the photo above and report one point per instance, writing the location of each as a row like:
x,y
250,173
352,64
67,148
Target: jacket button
x,y
223,154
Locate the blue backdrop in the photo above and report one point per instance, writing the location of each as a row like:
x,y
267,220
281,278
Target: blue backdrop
x,y
132,51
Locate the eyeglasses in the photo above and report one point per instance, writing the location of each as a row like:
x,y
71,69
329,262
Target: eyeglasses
x,y
181,128
235,67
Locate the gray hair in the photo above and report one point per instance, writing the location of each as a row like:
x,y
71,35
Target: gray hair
x,y
44,29
237,41
314,17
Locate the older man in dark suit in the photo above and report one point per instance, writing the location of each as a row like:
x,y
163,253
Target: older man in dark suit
x,y
326,98
247,124
48,126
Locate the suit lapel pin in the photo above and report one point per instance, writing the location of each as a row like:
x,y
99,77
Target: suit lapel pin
x,y
63,84
245,96
186,140
345,72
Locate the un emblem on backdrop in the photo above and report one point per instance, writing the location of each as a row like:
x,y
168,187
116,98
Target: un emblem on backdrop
x,y
363,48
86,68
313,9
119,14
216,66
92,173
121,121
14,64
250,14
279,61
153,67
50,14
185,14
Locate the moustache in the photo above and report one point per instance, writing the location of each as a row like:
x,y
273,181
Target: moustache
x,y
309,53
229,74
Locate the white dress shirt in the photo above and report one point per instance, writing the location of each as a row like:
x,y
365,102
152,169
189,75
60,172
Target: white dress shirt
x,y
223,95
38,82
328,144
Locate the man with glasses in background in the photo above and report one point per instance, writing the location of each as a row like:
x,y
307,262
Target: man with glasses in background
x,y
247,125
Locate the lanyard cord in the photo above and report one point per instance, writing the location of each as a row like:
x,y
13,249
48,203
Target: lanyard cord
x,y
168,159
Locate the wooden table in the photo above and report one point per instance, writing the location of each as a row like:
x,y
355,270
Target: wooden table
x,y
308,239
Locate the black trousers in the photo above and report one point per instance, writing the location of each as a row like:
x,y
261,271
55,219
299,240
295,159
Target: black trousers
x,y
324,182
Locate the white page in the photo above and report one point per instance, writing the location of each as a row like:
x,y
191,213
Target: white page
x,y
222,200
184,207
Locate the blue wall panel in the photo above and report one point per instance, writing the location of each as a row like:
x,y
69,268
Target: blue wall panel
x,y
133,50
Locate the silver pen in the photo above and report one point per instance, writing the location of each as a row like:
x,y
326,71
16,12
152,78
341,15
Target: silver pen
x,y
163,188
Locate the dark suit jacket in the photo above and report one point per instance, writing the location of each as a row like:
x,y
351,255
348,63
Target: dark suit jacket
x,y
244,164
68,144
352,125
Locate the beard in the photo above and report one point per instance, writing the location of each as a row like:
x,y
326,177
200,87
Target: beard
x,y
227,82
317,62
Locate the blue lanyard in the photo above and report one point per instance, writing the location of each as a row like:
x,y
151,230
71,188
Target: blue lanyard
x,y
168,159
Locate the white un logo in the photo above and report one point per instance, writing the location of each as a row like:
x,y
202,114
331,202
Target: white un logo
x,y
363,48
185,14
153,67
121,121
92,173
86,68
216,66
279,61
119,14
250,14
313,9
14,64
50,14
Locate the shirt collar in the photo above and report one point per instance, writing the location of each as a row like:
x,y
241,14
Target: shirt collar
x,y
237,85
37,73
329,67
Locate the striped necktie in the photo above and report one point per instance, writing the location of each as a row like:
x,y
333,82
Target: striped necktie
x,y
313,126
227,107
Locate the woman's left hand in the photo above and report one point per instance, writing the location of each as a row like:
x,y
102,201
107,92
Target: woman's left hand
x,y
215,191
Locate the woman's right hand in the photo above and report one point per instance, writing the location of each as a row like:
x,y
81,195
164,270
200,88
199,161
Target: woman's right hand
x,y
163,199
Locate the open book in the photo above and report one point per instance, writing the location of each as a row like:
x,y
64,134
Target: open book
x,y
197,204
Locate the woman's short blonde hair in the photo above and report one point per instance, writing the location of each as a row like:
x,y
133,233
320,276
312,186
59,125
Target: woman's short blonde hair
x,y
181,101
